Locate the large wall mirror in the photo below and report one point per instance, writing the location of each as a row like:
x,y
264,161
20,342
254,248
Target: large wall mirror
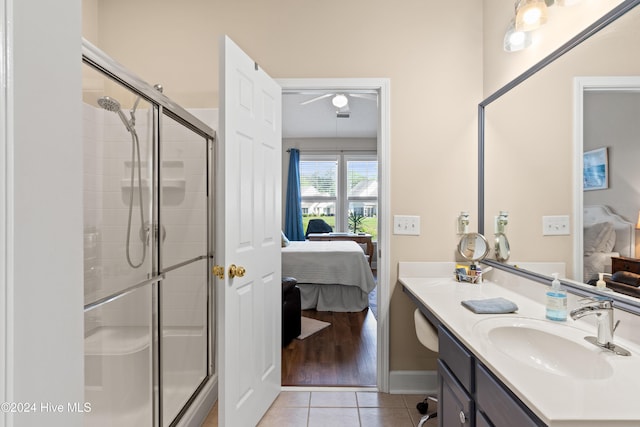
x,y
545,141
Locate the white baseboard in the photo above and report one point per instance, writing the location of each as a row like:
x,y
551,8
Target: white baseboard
x,y
413,382
201,406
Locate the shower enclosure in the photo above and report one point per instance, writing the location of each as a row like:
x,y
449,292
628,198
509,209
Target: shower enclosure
x,y
148,224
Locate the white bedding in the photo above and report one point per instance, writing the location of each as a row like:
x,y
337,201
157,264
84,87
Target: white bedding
x,y
331,275
606,235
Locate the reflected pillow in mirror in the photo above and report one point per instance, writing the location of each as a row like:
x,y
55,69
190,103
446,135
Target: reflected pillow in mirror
x,y
599,237
597,262
285,241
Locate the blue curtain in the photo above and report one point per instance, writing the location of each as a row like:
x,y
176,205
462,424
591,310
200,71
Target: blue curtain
x,y
293,211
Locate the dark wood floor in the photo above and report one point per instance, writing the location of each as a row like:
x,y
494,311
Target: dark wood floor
x,y
343,354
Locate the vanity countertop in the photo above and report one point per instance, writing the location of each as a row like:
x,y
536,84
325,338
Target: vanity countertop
x,y
556,399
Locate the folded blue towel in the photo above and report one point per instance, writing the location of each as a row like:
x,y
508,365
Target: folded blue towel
x,y
491,306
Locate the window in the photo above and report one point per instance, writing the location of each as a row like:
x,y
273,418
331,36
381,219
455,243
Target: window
x,y
341,189
319,188
362,194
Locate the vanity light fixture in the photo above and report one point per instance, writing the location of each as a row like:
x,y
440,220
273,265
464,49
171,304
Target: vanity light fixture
x,y
463,223
339,101
516,40
530,14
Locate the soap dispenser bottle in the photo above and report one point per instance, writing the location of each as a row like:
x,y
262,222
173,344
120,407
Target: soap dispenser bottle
x,y
601,285
556,301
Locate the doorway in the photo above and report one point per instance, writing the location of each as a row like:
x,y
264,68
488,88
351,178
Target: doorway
x,y
344,138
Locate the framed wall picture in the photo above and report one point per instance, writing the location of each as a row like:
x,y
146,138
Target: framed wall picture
x,y
595,170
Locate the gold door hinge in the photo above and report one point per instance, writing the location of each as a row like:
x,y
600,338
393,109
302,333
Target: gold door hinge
x,y
218,271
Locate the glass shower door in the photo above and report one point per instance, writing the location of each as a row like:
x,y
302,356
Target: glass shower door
x,y
183,238
147,248
118,200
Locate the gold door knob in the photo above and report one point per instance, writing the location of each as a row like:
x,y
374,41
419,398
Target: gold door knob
x,y
236,271
218,271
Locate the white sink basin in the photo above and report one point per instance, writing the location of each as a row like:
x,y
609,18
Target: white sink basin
x,y
556,348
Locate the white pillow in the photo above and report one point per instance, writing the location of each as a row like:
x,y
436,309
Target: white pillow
x,y
599,237
285,241
597,262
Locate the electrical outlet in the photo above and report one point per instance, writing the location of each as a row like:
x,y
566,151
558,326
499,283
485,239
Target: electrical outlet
x,y
555,225
406,224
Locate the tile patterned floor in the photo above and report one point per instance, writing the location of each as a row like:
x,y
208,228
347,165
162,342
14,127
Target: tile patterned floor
x,y
338,409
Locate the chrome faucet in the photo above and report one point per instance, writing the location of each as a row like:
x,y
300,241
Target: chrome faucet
x,y
603,309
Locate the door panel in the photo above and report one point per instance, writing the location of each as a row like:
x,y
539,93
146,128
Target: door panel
x,y
249,306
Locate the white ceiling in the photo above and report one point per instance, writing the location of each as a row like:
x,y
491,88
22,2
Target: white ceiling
x,y
319,119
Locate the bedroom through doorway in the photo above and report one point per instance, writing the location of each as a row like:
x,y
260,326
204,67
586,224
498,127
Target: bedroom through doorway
x,y
341,164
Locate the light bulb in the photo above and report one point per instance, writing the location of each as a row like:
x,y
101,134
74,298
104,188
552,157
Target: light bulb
x,y
532,16
517,39
339,101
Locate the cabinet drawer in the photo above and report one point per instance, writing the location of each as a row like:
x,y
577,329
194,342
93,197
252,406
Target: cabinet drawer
x,y
455,406
481,421
457,358
499,405
625,264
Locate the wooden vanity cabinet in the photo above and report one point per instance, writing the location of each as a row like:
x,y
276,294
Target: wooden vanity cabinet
x,y
455,405
481,420
498,404
455,382
470,395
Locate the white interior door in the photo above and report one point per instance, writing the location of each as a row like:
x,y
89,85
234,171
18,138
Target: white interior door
x,y
248,236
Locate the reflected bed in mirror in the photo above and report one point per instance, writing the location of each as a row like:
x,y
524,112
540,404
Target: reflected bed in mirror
x,y
530,134
606,235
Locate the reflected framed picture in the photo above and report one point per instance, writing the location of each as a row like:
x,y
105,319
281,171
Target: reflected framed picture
x,y
595,170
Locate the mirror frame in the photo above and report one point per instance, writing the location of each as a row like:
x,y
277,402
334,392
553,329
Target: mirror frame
x,y
621,302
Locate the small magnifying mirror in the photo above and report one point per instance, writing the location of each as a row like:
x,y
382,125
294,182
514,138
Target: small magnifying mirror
x,y
473,247
501,247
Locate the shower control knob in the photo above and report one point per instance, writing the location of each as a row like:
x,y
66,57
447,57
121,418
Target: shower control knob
x,y
218,271
236,271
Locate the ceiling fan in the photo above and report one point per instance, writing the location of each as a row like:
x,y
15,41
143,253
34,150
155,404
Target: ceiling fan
x,y
340,101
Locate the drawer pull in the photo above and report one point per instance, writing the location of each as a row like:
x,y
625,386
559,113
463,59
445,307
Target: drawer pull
x,y
463,417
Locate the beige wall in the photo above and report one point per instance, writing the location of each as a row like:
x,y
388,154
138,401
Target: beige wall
x,y
430,51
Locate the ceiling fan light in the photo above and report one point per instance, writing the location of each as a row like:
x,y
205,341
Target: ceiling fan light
x,y
530,14
339,101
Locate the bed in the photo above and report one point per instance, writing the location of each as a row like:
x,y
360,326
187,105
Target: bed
x,y
331,275
606,235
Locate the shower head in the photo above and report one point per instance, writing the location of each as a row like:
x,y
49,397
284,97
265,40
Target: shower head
x,y
109,104
112,104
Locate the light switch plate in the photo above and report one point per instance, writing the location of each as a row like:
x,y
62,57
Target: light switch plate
x,y
406,224
555,225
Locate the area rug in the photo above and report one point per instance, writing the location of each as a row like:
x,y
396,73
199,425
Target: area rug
x,y
311,326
